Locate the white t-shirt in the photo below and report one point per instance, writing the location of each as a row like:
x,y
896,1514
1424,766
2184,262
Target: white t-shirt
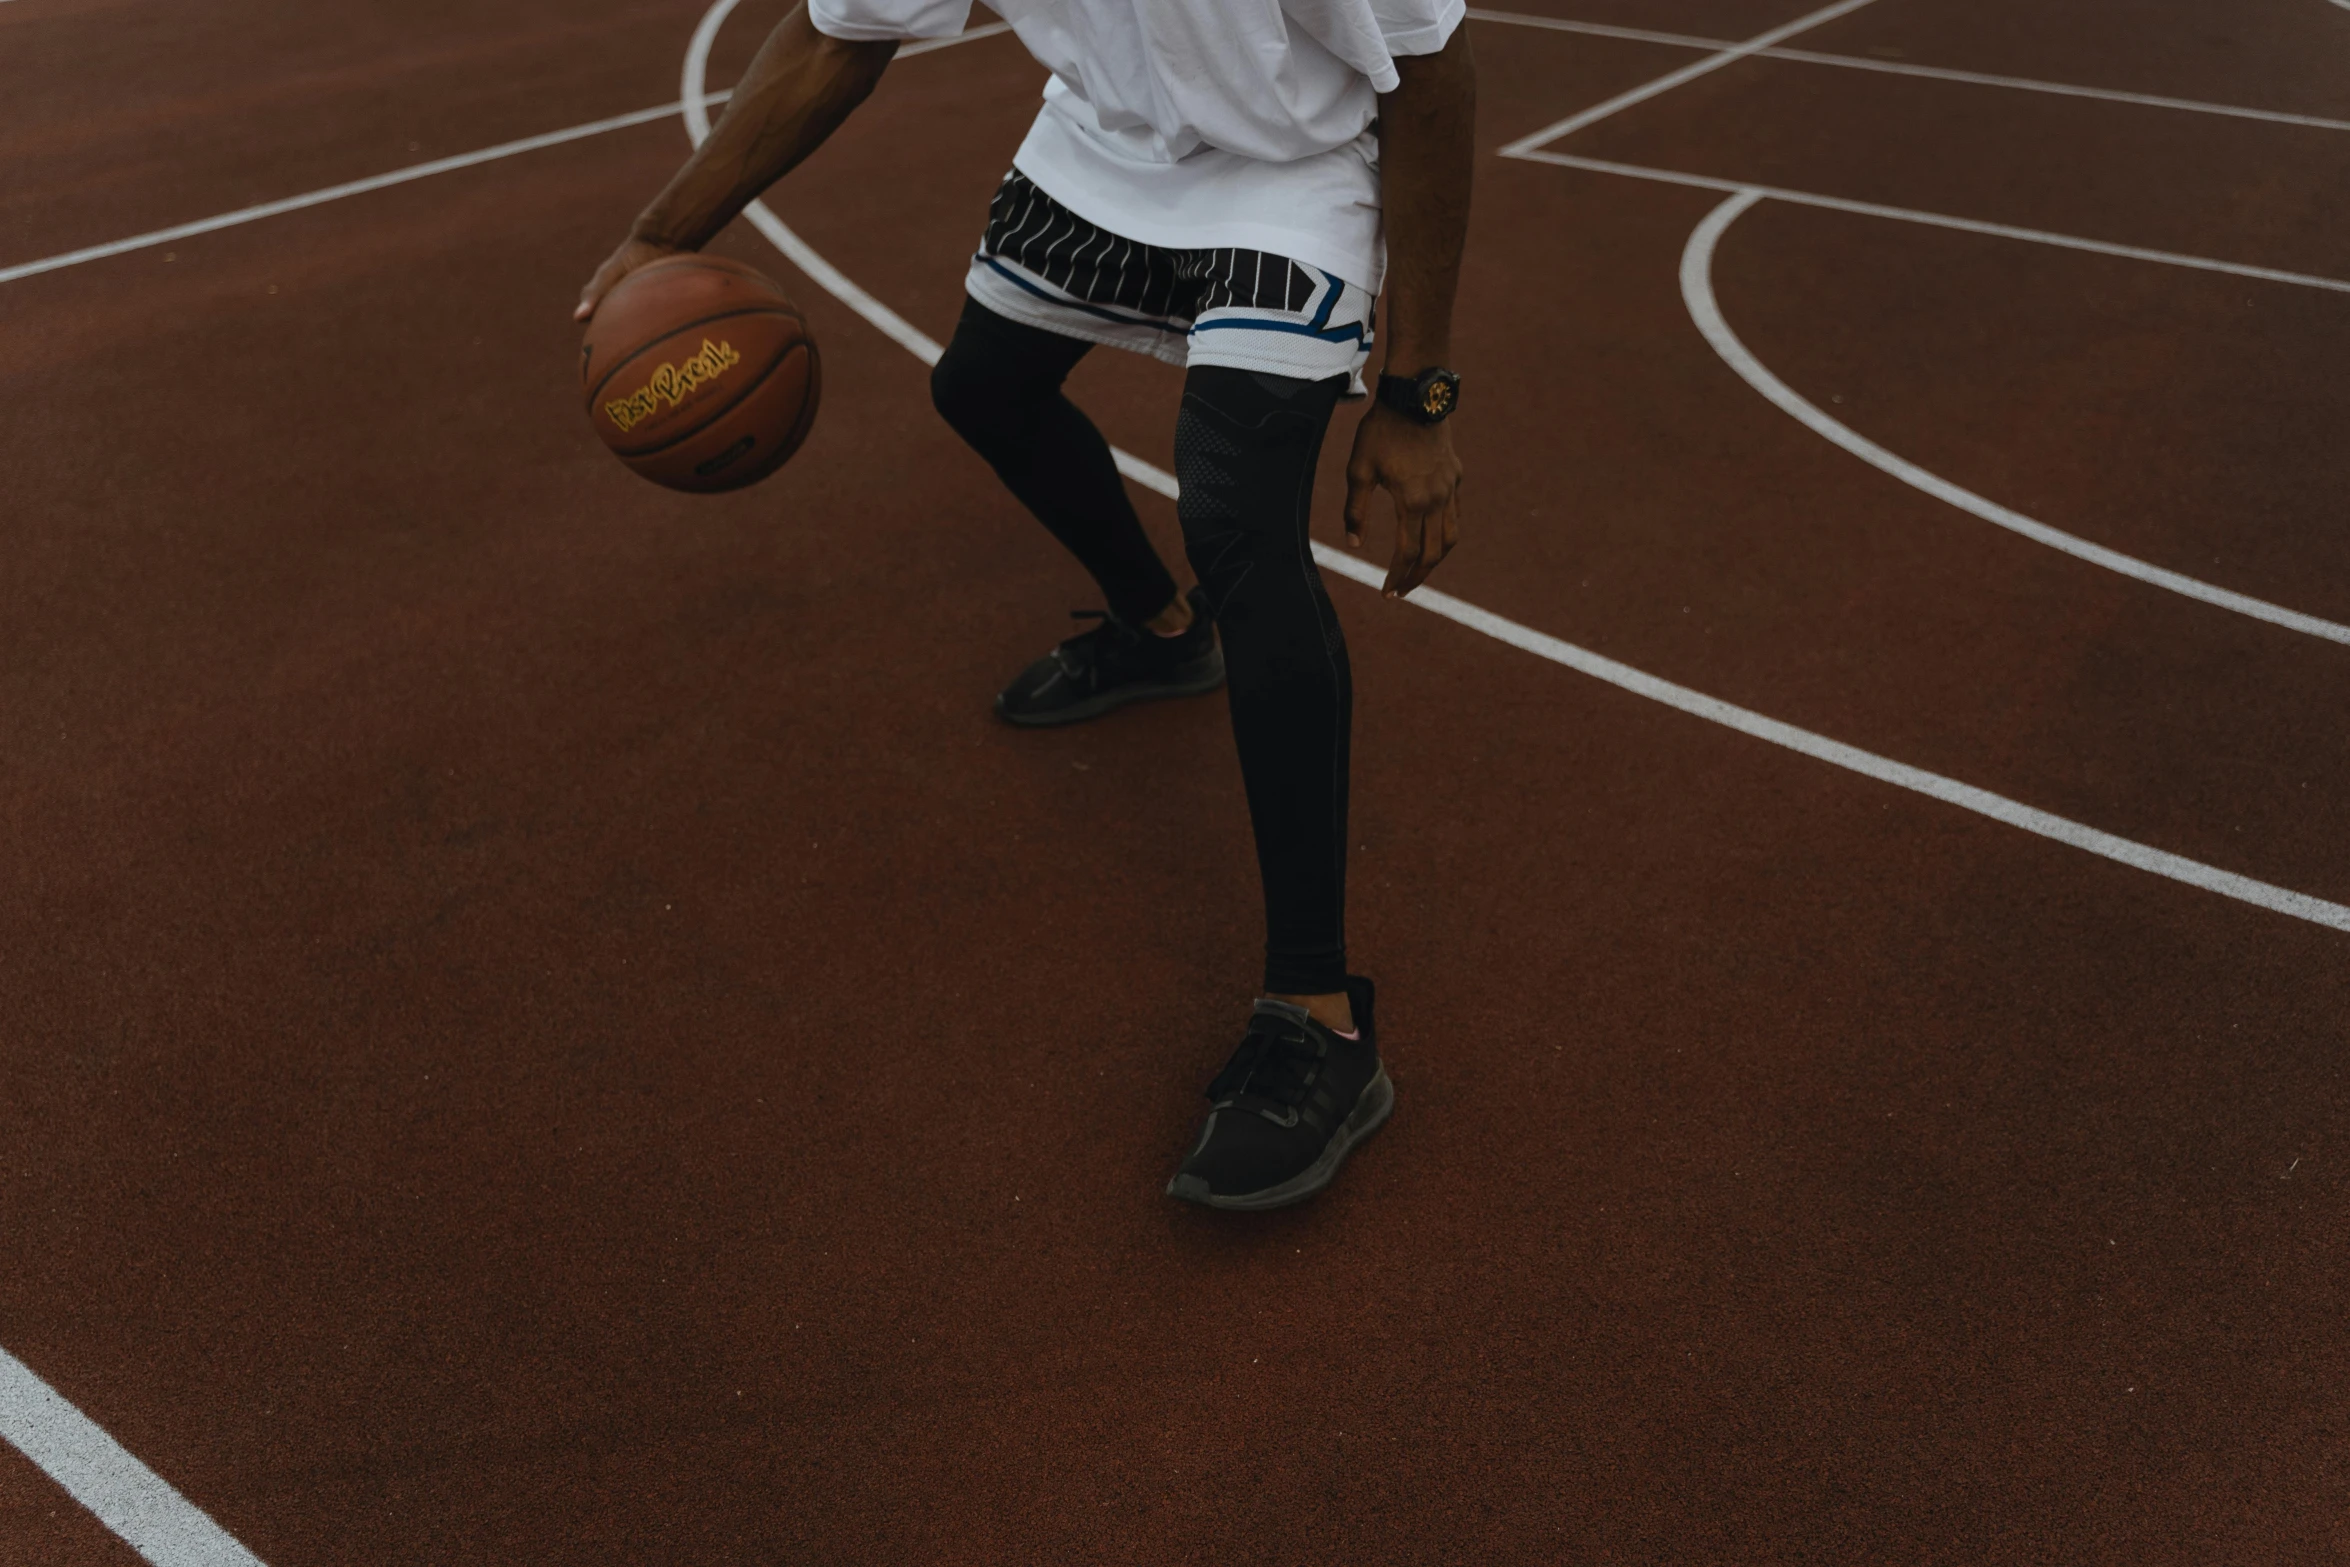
x,y
1199,123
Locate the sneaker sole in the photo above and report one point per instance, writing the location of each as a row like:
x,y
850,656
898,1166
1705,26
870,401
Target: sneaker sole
x,y
1116,697
1370,1113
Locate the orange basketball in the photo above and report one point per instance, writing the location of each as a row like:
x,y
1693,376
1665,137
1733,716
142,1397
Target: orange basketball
x,y
700,375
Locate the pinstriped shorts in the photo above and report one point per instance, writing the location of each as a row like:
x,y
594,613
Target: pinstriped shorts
x,y
1043,265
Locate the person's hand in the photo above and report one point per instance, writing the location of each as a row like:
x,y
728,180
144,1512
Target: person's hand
x,y
1415,465
632,254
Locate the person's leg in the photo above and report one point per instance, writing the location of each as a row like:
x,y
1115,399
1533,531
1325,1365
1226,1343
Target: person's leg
x,y
1274,344
1306,1084
1246,444
1307,1081
999,386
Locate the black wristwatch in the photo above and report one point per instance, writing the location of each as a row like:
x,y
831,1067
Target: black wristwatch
x,y
1426,398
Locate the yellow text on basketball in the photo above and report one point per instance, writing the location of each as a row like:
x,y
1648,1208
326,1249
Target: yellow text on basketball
x,y
673,384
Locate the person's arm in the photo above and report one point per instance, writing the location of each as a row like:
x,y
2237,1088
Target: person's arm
x,y
796,93
1427,129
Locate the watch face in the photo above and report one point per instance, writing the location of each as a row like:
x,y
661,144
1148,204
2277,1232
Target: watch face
x,y
1436,398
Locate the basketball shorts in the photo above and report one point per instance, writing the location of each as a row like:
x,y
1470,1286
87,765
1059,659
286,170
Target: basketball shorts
x,y
1045,266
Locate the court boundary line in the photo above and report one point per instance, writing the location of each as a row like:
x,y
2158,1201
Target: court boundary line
x,y
331,193
142,1508
165,1528
1937,73
1697,293
1525,148
1918,780
404,176
1607,108
1942,220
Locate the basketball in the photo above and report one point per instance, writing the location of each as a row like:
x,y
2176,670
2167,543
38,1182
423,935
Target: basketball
x,y
699,374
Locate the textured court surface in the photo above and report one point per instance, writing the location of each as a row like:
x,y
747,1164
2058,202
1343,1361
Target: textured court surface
x,y
544,1022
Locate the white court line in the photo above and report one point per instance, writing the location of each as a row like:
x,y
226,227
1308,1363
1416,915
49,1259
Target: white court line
x,y
319,198
802,255
1520,148
926,45
2176,867
1941,220
126,1496
97,1471
1687,73
1697,292
415,171
2159,862
1854,62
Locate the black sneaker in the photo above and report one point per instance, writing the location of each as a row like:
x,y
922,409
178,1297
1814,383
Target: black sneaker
x,y
1291,1103
1114,664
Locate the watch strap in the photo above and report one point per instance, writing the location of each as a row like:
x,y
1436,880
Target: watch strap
x,y
1427,398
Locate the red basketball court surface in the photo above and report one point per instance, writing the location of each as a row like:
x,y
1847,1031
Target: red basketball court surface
x,y
544,1021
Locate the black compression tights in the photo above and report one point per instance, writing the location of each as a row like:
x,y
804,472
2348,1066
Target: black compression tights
x,y
1245,450
999,385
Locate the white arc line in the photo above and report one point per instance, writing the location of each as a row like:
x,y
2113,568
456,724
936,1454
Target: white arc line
x,y
1942,220
2139,856
1687,73
802,254
98,1472
927,45
1697,292
1933,73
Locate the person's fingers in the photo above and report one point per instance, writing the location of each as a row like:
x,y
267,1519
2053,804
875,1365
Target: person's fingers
x,y
630,256
1411,545
1445,533
1400,557
1429,547
1409,526
1438,542
1440,528
1361,484
1417,572
593,295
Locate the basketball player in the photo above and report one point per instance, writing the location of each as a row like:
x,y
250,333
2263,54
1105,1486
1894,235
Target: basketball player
x,y
1222,184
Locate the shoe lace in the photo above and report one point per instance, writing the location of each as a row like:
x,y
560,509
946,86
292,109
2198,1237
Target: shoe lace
x,y
1086,647
1278,1060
